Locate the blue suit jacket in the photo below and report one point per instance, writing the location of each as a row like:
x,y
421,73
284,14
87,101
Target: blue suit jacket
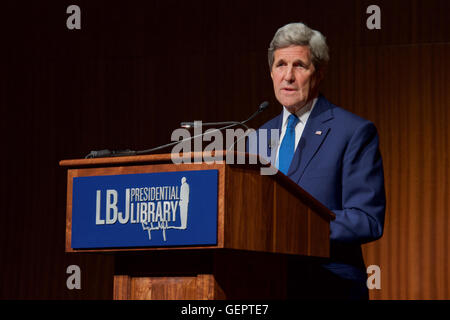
x,y
342,168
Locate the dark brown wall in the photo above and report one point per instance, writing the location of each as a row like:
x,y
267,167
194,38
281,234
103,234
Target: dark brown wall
x,y
138,68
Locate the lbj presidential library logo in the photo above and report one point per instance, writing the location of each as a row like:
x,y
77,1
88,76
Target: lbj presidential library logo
x,y
145,210
163,214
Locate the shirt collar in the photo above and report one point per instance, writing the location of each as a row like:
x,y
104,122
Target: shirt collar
x,y
302,114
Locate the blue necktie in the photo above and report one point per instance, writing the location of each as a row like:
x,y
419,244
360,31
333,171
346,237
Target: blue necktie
x,y
287,147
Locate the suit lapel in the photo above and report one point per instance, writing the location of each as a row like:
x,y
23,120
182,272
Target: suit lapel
x,y
316,130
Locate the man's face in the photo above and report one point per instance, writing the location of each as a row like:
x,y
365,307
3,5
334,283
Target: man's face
x,y
295,80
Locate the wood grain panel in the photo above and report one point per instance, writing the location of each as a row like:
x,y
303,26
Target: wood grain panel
x,y
248,223
270,213
122,287
405,91
318,232
412,127
291,218
200,287
164,288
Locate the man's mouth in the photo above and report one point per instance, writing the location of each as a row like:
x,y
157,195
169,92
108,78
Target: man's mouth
x,y
289,89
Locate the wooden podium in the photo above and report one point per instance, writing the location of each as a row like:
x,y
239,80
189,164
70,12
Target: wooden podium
x,y
264,222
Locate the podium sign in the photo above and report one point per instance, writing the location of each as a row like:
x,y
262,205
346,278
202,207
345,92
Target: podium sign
x,y
145,210
238,234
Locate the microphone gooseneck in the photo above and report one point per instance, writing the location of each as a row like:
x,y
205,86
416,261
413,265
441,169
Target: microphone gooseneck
x,y
227,124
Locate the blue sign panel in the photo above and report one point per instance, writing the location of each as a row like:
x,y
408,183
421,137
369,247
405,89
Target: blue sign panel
x,y
145,210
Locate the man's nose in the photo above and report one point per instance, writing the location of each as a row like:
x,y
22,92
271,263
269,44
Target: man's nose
x,y
289,76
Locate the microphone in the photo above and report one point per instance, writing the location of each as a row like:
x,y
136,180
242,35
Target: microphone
x,y
108,153
228,124
261,108
189,125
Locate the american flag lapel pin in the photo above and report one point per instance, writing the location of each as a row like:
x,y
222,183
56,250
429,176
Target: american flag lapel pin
x,y
318,132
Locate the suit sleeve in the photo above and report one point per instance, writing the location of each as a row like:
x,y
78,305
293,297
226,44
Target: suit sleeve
x,y
363,195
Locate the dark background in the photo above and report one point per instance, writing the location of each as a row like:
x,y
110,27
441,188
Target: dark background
x,y
136,69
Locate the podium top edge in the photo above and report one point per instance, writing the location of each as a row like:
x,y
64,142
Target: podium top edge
x,y
114,160
163,157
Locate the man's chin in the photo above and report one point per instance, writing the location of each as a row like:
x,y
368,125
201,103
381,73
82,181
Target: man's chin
x,y
294,108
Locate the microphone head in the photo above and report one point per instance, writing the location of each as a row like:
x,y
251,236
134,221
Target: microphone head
x,y
187,125
263,106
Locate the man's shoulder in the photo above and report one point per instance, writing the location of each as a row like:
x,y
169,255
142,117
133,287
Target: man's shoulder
x,y
343,118
349,117
350,126
341,113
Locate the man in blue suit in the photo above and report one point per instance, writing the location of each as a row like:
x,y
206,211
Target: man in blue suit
x,y
329,152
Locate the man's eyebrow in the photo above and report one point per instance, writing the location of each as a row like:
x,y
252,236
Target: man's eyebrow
x,y
302,62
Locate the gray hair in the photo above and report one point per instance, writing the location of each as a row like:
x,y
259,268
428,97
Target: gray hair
x,y
299,34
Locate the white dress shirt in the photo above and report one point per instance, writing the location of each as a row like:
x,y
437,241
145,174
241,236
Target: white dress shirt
x,y
303,115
